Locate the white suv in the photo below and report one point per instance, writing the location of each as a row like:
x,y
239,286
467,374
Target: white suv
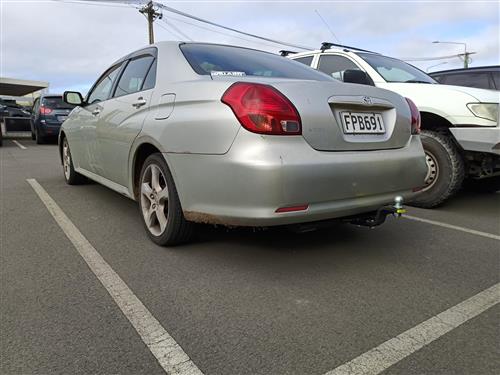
x,y
460,125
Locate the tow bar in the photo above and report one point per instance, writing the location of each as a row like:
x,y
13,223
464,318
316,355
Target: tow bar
x,y
372,221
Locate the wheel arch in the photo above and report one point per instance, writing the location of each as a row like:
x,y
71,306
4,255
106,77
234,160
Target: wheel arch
x,y
62,135
432,121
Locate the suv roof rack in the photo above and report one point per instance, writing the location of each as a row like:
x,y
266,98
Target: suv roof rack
x,y
328,45
285,52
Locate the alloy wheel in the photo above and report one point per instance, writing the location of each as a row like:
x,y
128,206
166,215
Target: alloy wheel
x,y
66,159
154,199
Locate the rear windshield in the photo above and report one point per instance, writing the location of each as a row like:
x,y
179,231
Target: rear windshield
x,y
208,58
55,102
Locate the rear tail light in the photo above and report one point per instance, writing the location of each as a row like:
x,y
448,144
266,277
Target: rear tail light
x,y
45,110
262,109
415,117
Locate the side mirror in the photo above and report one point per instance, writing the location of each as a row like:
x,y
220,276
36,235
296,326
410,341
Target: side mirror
x,y
357,76
73,98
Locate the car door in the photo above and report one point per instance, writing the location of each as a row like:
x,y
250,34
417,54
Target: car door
x,y
82,135
123,116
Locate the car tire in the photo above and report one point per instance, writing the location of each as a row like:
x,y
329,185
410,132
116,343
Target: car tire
x,y
159,204
71,176
446,170
40,139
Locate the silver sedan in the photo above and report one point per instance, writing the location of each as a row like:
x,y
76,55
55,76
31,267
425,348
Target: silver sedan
x,y
232,136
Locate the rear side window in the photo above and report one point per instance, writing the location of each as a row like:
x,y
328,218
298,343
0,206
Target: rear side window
x,y
479,80
102,89
55,102
208,58
150,81
133,76
440,79
305,60
496,79
335,66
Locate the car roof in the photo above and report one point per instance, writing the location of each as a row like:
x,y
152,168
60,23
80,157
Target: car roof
x,y
491,68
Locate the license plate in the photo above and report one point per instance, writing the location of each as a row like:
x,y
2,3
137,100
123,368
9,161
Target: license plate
x,y
362,123
62,118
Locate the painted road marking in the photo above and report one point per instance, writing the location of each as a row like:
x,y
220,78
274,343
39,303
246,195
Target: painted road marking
x,y
168,353
19,145
455,227
394,350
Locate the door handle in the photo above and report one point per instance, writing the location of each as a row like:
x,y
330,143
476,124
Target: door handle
x,y
139,103
96,111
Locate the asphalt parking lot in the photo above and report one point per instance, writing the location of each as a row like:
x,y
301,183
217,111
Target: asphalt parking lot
x,y
409,297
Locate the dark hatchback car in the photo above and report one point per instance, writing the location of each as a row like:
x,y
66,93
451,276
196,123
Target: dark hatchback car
x,y
49,112
485,77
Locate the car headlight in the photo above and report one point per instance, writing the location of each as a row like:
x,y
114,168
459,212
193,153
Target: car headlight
x,y
488,111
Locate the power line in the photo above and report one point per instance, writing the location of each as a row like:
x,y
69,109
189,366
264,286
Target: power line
x,y
221,32
428,58
176,29
96,3
175,35
172,10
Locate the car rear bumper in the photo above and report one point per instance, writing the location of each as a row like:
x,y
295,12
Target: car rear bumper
x,y
260,174
49,130
479,139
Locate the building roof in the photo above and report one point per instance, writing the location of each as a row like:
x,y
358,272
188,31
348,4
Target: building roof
x,y
20,87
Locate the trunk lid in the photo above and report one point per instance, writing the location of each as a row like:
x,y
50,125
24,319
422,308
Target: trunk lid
x,y
328,108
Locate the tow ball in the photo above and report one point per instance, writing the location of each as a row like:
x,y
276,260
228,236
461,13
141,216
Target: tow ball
x,y
378,218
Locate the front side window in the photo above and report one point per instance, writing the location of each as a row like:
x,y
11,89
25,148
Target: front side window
x,y
102,89
206,59
479,80
335,66
133,76
394,70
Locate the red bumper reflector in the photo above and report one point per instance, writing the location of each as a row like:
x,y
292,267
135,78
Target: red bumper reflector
x,y
302,207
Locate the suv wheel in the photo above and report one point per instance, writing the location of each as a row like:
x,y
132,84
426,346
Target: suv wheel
x,y
160,206
40,139
445,173
70,175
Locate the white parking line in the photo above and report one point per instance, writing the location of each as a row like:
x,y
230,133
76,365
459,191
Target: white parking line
x,y
455,227
394,350
19,145
168,353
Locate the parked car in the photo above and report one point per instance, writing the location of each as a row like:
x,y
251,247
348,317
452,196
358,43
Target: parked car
x,y
12,109
227,135
460,125
484,77
48,113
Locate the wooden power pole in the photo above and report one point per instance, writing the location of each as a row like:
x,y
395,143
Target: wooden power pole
x,y
151,14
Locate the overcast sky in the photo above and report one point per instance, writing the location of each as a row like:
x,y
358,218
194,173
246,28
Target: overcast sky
x,y
70,44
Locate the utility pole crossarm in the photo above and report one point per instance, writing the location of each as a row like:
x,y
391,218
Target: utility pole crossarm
x,y
151,14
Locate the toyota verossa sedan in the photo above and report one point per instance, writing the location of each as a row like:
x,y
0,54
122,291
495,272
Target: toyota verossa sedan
x,y
227,135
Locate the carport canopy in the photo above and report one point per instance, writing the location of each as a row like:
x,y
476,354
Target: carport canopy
x,y
20,87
